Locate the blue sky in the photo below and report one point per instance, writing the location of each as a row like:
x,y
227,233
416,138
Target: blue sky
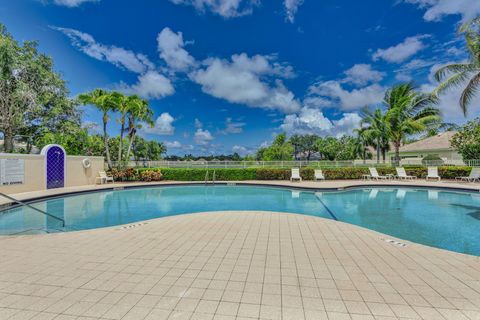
x,y
225,76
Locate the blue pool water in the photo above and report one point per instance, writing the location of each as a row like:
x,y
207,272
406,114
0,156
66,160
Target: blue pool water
x,y
443,219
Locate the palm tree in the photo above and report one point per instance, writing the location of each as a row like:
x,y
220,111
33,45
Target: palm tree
x,y
122,105
362,141
408,112
99,99
139,111
458,74
376,131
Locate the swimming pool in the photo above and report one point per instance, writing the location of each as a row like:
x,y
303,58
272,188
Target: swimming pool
x,y
438,218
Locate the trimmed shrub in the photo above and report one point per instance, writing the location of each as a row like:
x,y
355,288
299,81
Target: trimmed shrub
x,y
221,174
126,174
238,174
150,175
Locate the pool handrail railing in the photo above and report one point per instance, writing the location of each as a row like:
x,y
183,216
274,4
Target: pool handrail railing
x,y
32,207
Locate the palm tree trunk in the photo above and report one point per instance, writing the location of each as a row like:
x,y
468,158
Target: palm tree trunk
x,y
120,143
378,150
130,143
105,142
397,152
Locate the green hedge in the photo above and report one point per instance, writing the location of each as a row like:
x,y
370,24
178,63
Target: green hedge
x,y
181,174
234,174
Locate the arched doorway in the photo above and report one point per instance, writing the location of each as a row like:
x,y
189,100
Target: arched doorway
x,y
55,165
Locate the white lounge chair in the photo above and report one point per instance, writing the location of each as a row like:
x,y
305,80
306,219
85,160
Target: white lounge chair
x,y
318,175
374,174
295,174
402,174
474,176
104,178
432,173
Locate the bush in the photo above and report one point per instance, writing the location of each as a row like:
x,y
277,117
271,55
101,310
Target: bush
x,y
150,175
221,174
282,174
237,174
127,174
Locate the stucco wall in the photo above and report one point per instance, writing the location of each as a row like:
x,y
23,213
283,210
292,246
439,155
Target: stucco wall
x,y
76,174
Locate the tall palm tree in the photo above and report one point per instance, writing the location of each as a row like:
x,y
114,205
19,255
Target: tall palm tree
x,y
468,74
122,104
99,99
409,112
376,131
139,111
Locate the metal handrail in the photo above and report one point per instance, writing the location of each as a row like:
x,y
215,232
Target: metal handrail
x,y
32,207
213,177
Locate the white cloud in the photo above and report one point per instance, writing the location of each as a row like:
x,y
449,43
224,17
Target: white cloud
x,y
253,81
331,93
163,125
173,144
72,3
224,8
437,9
402,51
151,85
202,137
291,8
170,46
232,127
362,74
313,121
126,59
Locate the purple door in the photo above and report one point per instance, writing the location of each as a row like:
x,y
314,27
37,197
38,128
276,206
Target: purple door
x,y
55,167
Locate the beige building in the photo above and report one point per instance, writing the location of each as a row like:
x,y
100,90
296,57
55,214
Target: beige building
x,y
437,145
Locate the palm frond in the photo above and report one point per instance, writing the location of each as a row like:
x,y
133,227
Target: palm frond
x,y
453,68
470,92
454,81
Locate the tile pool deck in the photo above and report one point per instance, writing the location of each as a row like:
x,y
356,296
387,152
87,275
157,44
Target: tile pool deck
x,y
234,265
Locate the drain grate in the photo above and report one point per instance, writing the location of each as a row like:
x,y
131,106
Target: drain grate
x,y
395,243
130,226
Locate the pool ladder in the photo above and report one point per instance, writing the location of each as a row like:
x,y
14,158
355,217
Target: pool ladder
x,y
207,178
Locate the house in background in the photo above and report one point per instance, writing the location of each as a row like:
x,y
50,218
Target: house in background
x,y
437,145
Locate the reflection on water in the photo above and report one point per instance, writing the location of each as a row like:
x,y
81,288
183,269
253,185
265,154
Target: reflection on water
x,y
443,219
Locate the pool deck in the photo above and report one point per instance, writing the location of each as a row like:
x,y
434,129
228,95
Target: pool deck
x,y
235,265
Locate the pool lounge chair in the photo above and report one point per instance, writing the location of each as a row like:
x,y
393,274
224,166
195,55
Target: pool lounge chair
x,y
374,174
402,174
295,174
104,178
474,176
432,173
318,175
